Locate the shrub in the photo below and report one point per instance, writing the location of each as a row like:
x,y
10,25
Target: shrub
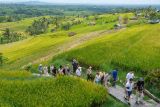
x,y
71,34
28,67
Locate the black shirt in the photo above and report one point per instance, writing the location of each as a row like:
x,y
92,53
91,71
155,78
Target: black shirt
x,y
140,85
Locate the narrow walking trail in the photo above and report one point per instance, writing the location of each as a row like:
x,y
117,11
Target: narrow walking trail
x,y
119,94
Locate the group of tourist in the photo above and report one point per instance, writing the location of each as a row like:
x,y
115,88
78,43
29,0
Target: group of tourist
x,y
47,70
131,85
106,79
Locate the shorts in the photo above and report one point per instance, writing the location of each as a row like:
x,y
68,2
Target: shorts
x,y
129,93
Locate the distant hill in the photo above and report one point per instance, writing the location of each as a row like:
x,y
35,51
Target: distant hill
x,y
27,3
33,3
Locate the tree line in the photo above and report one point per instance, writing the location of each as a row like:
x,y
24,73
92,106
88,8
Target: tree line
x,y
14,12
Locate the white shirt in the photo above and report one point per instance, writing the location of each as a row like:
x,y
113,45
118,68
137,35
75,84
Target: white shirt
x,y
89,71
51,68
78,72
107,77
129,76
129,86
45,70
97,78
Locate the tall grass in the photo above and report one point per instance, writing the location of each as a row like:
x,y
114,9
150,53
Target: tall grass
x,y
15,74
136,48
59,92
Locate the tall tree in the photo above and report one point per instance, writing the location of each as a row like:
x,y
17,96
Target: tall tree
x,y
39,26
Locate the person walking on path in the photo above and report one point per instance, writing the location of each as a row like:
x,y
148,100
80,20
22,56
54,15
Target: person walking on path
x,y
60,70
107,78
51,69
54,72
97,78
129,76
139,91
102,74
129,88
89,73
45,69
75,65
79,71
67,69
115,77
40,69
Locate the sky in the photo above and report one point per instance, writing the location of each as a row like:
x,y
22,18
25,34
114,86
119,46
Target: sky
x,y
93,1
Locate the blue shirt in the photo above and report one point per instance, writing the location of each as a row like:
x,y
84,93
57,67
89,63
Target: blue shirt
x,y
40,68
114,74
